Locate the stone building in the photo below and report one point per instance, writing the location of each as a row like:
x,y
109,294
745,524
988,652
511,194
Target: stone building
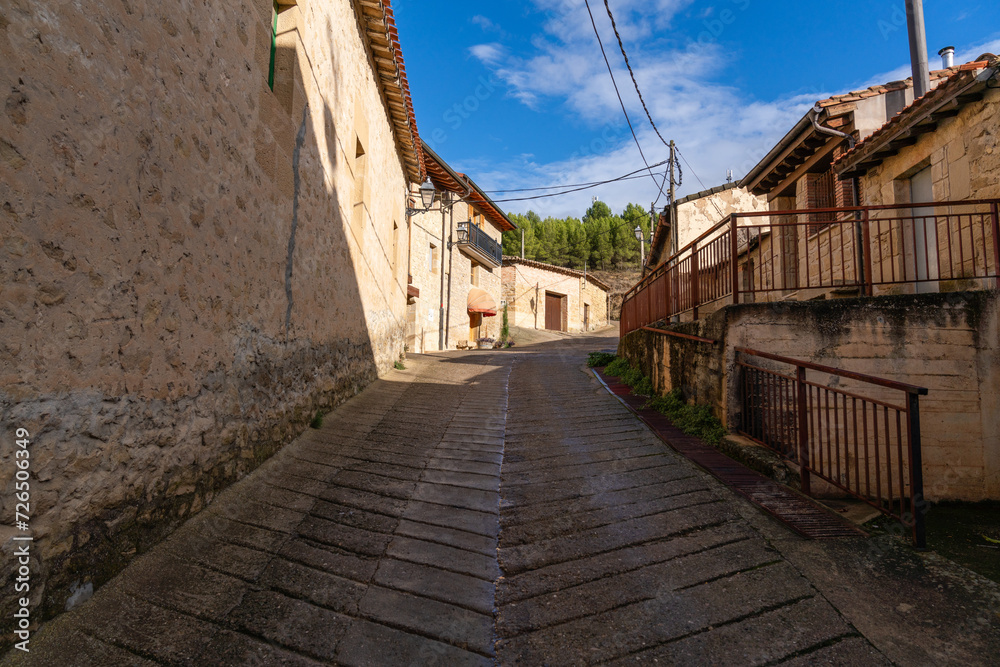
x,y
944,147
925,173
203,245
543,296
454,251
696,214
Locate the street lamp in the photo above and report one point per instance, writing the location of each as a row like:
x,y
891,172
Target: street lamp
x,y
427,195
642,245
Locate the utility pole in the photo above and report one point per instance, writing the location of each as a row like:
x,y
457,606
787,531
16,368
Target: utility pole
x,y
918,47
674,233
522,242
674,239
444,245
537,306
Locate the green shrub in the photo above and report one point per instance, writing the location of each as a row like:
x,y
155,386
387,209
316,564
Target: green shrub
x,y
599,359
644,387
505,328
398,365
696,420
618,367
317,420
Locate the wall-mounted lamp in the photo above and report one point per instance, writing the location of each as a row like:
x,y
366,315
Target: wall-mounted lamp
x,y
427,196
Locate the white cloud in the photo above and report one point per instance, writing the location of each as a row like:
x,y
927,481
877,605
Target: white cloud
x,y
489,54
717,127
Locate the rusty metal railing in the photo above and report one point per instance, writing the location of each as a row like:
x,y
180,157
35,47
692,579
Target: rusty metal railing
x,y
802,254
867,446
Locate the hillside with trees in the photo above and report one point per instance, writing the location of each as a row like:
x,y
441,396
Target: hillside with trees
x,y
601,240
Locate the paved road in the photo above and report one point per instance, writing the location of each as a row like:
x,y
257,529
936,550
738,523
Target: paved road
x,y
502,507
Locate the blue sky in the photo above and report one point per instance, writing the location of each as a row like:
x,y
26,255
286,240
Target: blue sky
x,y
517,95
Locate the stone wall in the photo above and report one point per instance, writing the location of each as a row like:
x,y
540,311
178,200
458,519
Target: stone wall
x,y
963,153
949,343
698,216
526,305
192,264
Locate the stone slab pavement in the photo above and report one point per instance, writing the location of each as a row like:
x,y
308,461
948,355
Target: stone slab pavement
x,y
502,508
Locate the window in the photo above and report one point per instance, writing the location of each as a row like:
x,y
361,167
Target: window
x,y
432,258
283,69
360,191
274,44
821,195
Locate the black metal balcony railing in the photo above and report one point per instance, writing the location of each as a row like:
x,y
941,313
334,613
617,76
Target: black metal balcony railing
x,y
477,239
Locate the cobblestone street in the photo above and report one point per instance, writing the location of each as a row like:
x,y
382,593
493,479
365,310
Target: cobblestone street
x,y
503,507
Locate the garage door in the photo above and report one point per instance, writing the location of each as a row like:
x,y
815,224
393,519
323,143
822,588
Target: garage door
x,y
553,312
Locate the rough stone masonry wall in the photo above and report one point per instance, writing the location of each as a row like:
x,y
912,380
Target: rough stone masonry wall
x,y
180,289
949,343
699,215
963,153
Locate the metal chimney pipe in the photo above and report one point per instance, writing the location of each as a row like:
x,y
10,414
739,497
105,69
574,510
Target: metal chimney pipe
x,y
947,56
918,47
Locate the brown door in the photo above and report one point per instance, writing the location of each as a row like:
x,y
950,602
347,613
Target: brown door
x,y
553,312
586,317
475,322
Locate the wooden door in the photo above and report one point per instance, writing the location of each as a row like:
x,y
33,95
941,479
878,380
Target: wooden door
x,y
553,312
586,317
475,322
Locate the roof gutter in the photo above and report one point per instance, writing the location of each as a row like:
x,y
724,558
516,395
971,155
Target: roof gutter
x,y
813,116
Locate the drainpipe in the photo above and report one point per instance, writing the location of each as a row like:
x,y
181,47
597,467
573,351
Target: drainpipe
x,y
855,185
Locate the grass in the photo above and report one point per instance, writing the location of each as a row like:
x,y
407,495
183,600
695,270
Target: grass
x,y
317,420
696,420
600,359
398,365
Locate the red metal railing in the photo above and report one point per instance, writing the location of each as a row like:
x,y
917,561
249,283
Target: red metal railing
x,y
869,447
776,255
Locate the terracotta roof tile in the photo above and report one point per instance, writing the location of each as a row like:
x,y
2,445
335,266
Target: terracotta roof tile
x,y
957,75
881,89
509,260
379,14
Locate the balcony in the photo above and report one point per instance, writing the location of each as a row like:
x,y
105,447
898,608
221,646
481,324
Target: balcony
x,y
820,253
477,244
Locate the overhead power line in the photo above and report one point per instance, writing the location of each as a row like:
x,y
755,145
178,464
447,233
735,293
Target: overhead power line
x,y
628,176
578,189
618,93
635,83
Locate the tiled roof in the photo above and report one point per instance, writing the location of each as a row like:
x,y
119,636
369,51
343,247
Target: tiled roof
x,y
509,260
959,79
378,26
884,88
772,170
445,178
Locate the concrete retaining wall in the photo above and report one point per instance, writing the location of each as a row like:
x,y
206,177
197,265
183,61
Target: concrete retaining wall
x,y
949,343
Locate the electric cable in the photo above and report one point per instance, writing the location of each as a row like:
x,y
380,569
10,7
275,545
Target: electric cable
x,y
618,93
635,83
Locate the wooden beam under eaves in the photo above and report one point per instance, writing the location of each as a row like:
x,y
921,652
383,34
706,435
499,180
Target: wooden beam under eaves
x,y
817,157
